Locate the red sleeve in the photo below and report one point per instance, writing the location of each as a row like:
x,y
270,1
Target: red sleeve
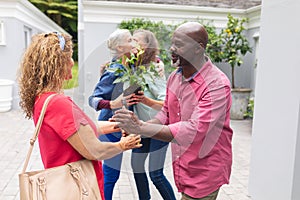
x,y
104,104
64,116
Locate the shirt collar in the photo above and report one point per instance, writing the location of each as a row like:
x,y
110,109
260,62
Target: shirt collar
x,y
197,76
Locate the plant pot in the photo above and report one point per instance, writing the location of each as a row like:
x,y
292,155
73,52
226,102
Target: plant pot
x,y
240,99
6,88
132,89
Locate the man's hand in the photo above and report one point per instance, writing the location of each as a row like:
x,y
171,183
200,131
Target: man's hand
x,y
128,121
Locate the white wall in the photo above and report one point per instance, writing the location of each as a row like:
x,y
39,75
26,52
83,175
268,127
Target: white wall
x,y
95,54
275,157
18,16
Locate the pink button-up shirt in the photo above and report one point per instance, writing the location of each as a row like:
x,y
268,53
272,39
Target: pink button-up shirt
x,y
197,111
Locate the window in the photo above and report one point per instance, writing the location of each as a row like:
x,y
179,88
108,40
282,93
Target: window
x,y
256,39
2,35
27,36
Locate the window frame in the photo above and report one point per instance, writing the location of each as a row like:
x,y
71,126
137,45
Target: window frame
x,y
256,44
2,33
27,36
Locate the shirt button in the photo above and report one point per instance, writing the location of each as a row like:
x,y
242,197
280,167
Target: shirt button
x,y
178,114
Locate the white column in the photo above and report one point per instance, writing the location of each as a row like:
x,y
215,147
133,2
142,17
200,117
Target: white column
x,y
80,92
275,156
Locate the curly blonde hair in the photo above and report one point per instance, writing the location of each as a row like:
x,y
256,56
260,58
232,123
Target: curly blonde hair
x,y
44,67
151,47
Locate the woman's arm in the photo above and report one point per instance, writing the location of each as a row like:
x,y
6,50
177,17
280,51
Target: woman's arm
x,y
88,145
104,127
102,91
155,104
141,98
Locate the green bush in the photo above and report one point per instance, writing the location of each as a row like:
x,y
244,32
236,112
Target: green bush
x,y
250,109
74,81
227,46
164,33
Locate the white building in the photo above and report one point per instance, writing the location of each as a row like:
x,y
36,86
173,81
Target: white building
x,y
19,20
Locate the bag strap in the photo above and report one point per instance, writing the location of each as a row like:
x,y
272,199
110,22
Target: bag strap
x,y
36,131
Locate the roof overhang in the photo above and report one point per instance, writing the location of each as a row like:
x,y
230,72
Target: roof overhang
x,y
115,12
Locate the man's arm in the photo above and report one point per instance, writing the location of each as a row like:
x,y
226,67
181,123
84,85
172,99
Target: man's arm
x,y
130,123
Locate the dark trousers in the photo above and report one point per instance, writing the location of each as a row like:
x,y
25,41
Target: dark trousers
x,y
156,150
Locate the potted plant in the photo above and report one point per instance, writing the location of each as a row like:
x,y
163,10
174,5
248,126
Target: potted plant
x,y
230,47
134,74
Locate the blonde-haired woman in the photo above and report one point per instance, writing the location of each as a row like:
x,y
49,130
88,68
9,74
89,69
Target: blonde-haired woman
x,y
66,134
107,97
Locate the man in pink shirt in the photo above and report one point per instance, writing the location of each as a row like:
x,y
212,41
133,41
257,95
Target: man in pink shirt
x,y
195,117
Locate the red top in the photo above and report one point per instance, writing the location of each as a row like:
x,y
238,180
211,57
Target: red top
x,y
62,119
197,111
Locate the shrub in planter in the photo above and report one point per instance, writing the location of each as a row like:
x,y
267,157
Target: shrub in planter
x,y
250,109
233,44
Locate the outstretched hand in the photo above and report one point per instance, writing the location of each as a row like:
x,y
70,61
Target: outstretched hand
x,y
128,121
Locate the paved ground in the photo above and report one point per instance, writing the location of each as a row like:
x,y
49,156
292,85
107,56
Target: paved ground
x,y
15,132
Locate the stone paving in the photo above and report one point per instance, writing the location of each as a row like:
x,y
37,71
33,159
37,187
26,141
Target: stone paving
x,y
15,132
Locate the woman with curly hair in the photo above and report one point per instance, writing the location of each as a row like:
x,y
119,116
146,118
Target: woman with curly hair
x,y
67,134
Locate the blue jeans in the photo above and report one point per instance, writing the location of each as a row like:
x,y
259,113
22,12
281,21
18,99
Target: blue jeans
x,y
111,167
157,153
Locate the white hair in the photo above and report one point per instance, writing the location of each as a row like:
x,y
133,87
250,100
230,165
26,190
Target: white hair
x,y
116,39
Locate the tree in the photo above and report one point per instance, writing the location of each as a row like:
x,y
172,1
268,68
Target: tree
x,y
234,44
64,13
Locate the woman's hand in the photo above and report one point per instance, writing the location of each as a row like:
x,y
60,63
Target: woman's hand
x,y
103,67
117,103
131,141
160,68
138,98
